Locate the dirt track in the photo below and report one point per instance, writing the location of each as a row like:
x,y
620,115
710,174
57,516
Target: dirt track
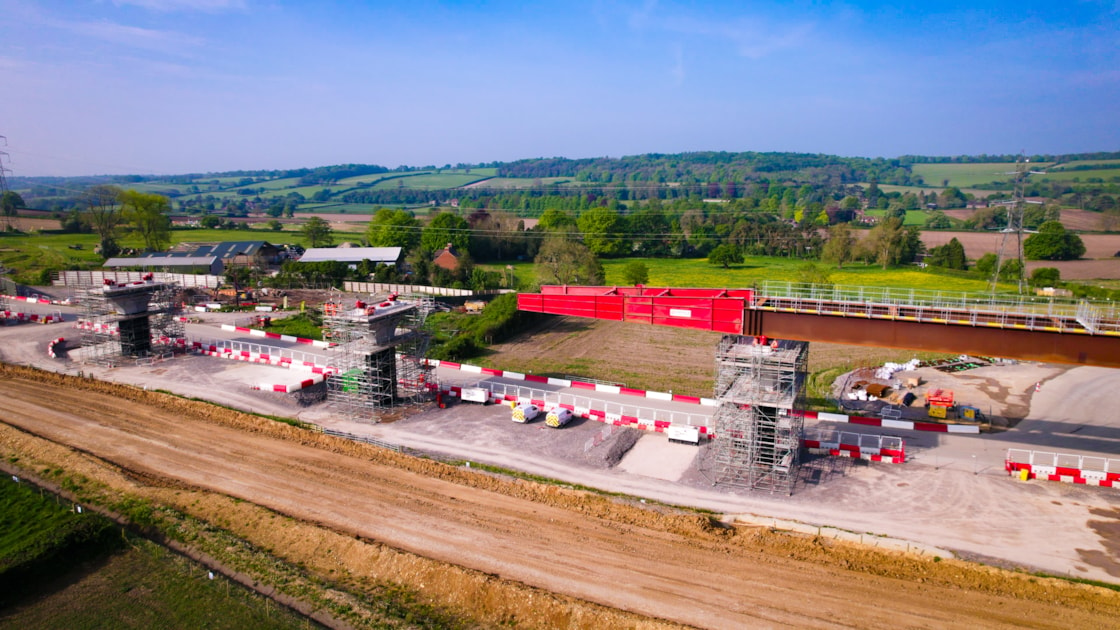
x,y
583,547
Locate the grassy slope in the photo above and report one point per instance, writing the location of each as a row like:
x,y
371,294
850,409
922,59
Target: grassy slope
x,y
144,586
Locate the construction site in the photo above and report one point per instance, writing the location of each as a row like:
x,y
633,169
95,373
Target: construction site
x,y
366,397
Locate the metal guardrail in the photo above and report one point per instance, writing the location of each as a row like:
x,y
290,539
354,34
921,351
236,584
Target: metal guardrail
x,y
1020,311
367,440
645,415
258,348
1045,459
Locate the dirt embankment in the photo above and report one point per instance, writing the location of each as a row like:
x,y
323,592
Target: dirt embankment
x,y
499,550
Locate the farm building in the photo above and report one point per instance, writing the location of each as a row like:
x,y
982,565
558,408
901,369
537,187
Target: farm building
x,y
176,264
353,255
448,258
232,253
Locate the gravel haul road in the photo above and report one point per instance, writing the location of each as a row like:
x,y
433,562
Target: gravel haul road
x,y
659,564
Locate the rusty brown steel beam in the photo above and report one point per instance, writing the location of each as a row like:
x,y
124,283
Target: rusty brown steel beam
x,y
1026,345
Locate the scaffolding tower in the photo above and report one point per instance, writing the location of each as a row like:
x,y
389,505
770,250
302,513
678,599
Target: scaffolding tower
x,y
379,356
138,321
759,384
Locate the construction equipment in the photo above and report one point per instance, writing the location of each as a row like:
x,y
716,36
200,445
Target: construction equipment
x,y
525,412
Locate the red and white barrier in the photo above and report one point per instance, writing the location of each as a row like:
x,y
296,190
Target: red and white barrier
x,y
255,332
288,389
598,415
707,402
1064,467
223,352
52,345
887,423
29,300
33,317
562,382
105,329
874,448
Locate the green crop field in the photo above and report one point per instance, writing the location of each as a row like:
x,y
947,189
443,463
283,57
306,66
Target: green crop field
x,y
432,181
1069,165
523,182
697,272
889,188
964,175
1104,174
913,217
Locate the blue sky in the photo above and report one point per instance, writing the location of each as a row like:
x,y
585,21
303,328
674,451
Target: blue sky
x,y
175,86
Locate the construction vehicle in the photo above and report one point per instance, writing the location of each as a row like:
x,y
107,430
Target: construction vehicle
x,y
558,417
525,412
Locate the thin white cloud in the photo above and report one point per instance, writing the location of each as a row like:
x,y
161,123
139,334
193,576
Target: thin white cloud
x,y
678,69
168,6
132,36
752,38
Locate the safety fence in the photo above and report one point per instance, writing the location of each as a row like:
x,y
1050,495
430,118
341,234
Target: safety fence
x,y
256,332
374,288
367,440
876,448
621,414
942,307
1065,467
260,353
97,278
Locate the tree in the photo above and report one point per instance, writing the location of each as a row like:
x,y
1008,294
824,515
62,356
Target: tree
x,y
603,232
10,203
840,246
885,242
210,221
948,256
1053,242
725,255
566,261
553,220
812,273
1045,277
275,225
446,228
317,232
938,221
635,272
394,228
102,203
986,265
148,214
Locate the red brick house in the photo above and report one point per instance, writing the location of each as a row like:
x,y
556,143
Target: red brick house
x,y
447,258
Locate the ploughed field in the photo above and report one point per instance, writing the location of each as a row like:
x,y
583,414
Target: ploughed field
x,y
498,550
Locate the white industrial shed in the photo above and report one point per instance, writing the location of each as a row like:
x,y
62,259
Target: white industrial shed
x,y
384,255
180,264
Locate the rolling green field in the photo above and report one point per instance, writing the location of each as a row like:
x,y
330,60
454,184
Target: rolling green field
x,y
697,272
1069,165
975,192
913,217
1104,174
964,175
521,182
433,181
